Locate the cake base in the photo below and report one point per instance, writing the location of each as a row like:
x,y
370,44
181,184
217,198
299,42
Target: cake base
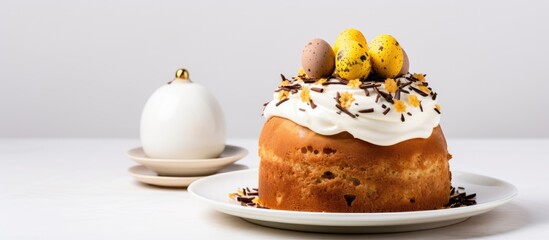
x,y
301,170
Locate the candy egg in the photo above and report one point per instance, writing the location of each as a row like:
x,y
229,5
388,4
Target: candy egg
x,y
387,56
353,60
349,34
405,64
318,59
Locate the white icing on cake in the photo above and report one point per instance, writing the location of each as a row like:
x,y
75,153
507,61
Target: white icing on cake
x,y
374,127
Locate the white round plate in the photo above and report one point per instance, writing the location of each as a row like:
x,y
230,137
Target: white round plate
x,y
188,167
214,191
145,175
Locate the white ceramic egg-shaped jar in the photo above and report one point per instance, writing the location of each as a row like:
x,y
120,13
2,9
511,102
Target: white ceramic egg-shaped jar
x,y
182,120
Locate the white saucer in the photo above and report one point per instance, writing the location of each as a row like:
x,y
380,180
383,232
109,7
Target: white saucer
x,y
145,175
188,167
214,191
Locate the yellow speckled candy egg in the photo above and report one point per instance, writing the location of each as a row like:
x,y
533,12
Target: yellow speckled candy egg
x,y
387,56
318,59
350,34
353,61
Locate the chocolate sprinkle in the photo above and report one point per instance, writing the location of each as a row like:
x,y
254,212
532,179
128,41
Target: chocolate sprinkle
x,y
313,105
385,95
369,110
345,110
366,85
386,111
458,198
434,97
301,109
247,197
437,110
402,117
291,87
320,90
422,93
283,77
329,83
282,101
404,85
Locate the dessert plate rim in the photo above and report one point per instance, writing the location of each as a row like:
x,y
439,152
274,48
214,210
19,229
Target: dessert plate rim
x,y
214,191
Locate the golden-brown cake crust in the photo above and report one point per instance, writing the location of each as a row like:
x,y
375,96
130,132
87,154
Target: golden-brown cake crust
x,y
305,171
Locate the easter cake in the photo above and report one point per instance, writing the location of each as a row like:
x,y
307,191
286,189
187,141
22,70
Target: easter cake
x,y
354,131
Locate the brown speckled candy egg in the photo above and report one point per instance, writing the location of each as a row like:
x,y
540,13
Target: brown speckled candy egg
x,y
318,59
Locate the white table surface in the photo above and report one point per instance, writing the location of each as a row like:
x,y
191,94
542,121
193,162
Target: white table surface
x,y
80,189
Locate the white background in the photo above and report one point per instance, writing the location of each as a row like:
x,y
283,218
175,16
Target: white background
x,y
85,69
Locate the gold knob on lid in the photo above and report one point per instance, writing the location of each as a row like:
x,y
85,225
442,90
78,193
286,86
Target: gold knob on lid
x,y
182,74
